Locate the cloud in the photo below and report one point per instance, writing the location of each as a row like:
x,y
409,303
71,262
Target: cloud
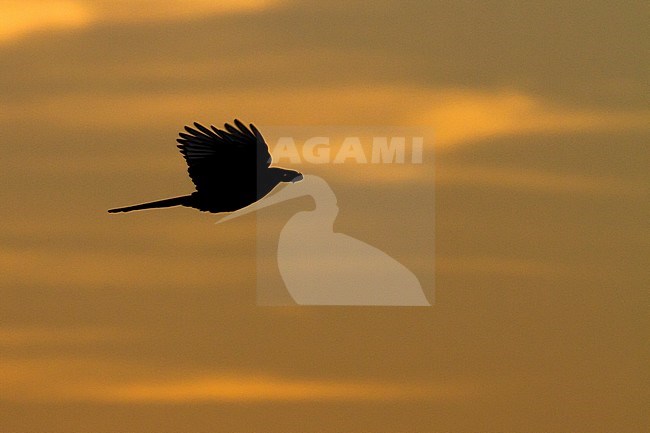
x,y
26,17
75,268
502,266
267,388
592,62
21,18
457,116
155,10
109,381
464,116
31,336
538,180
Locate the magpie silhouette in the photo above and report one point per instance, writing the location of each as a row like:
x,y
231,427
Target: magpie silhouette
x,y
230,167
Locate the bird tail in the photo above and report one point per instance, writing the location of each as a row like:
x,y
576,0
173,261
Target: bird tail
x,y
176,201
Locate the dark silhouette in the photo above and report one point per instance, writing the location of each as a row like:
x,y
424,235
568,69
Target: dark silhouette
x,y
230,169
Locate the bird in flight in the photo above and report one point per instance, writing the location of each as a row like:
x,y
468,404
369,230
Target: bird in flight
x,y
230,167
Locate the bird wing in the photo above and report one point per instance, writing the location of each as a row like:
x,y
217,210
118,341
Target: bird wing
x,y
217,157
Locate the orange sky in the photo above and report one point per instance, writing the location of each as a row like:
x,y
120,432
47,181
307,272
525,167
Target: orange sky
x,y
148,322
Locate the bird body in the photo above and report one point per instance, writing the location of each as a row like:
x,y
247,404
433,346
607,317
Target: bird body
x,y
230,168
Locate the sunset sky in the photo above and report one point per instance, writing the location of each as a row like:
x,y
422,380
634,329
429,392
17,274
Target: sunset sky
x,y
147,322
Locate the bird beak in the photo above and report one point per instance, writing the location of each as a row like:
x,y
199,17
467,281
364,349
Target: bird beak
x,y
297,179
286,193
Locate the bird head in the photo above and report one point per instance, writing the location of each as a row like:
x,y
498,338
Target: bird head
x,y
289,175
312,186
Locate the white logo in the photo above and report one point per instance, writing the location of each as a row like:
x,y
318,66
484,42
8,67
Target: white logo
x,y
321,267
